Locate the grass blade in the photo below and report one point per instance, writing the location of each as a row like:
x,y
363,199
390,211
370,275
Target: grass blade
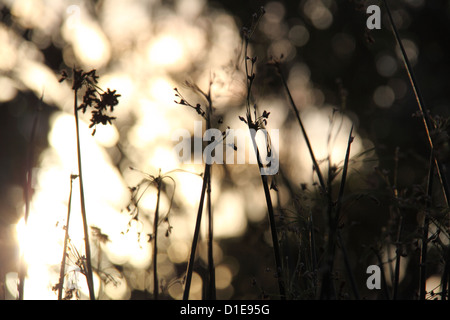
x,y
188,279
422,108
302,127
425,229
27,195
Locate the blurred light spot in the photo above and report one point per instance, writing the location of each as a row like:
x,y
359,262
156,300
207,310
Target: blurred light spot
x,y
386,65
8,89
29,12
282,48
124,86
189,186
162,91
190,8
433,286
415,3
223,276
229,216
320,15
166,50
163,159
7,50
196,287
11,284
178,251
176,290
384,96
165,266
274,11
217,250
151,125
42,80
124,21
116,289
399,86
273,30
89,43
317,124
41,39
299,35
106,136
272,23
411,49
343,45
36,235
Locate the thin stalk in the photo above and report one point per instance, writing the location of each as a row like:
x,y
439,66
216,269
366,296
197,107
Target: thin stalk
x,y
155,239
275,242
211,292
347,266
66,239
398,253
398,258
440,170
89,276
426,223
196,235
328,287
27,195
313,249
338,214
302,127
251,125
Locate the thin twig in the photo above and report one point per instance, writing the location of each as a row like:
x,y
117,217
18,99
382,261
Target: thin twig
x,y
158,181
190,266
424,112
302,127
327,287
425,227
66,239
338,214
89,275
211,292
251,126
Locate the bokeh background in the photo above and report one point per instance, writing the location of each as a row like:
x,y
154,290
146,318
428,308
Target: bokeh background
x,y
340,74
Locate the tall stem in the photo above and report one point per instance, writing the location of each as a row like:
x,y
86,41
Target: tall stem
x,y
66,239
426,223
211,269
211,292
440,169
251,126
155,239
89,277
190,268
273,229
